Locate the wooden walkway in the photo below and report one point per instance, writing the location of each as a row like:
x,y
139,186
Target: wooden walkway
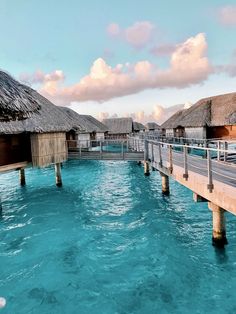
x,y
107,155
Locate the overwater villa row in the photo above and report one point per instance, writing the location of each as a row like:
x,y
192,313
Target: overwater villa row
x,y
33,131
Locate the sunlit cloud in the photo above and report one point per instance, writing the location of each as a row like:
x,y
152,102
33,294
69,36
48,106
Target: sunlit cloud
x,y
158,114
188,65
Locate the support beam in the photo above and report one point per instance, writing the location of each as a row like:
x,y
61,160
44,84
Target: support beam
x,y
219,230
58,174
165,184
146,168
22,176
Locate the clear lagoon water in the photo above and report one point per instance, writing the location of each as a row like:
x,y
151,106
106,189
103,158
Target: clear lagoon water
x,y
108,242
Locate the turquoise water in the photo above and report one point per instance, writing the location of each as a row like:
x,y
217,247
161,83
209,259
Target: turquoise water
x,y
108,242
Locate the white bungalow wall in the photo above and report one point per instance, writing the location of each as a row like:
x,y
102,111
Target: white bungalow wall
x,y
100,136
195,132
84,139
169,132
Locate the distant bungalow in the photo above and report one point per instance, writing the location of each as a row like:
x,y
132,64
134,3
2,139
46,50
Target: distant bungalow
x,y
212,117
121,128
152,126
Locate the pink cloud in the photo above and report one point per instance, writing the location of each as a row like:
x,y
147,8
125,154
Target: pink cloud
x,y
159,114
188,65
40,77
137,35
227,15
113,29
163,50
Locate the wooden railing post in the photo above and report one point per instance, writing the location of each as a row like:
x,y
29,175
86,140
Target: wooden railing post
x,y
160,157
80,148
170,159
218,150
210,185
225,153
145,150
185,151
152,153
101,149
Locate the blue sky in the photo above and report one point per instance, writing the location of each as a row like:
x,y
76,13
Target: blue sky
x,y
41,37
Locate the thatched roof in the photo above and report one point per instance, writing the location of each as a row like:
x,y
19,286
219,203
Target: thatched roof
x,y
119,125
137,126
152,126
212,111
16,103
84,123
49,119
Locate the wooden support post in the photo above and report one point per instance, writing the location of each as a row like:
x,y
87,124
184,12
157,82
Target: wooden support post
x,y
22,176
58,174
210,185
127,145
185,175
146,168
219,229
122,150
165,184
80,148
170,159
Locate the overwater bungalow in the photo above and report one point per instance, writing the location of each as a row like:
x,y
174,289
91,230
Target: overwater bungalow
x,y
212,117
39,140
152,126
138,127
119,128
85,128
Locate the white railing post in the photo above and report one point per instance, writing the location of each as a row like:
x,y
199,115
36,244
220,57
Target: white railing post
x,y
210,185
80,148
122,150
185,175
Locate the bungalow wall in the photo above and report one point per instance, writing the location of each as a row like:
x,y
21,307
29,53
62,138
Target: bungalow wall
x,y
48,148
100,136
224,132
197,133
84,139
14,148
115,136
169,132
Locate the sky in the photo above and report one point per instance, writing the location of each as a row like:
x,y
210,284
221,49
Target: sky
x,y
144,59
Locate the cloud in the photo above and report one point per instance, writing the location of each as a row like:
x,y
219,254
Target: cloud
x,y
113,29
163,50
229,69
40,77
227,15
159,114
138,35
188,65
